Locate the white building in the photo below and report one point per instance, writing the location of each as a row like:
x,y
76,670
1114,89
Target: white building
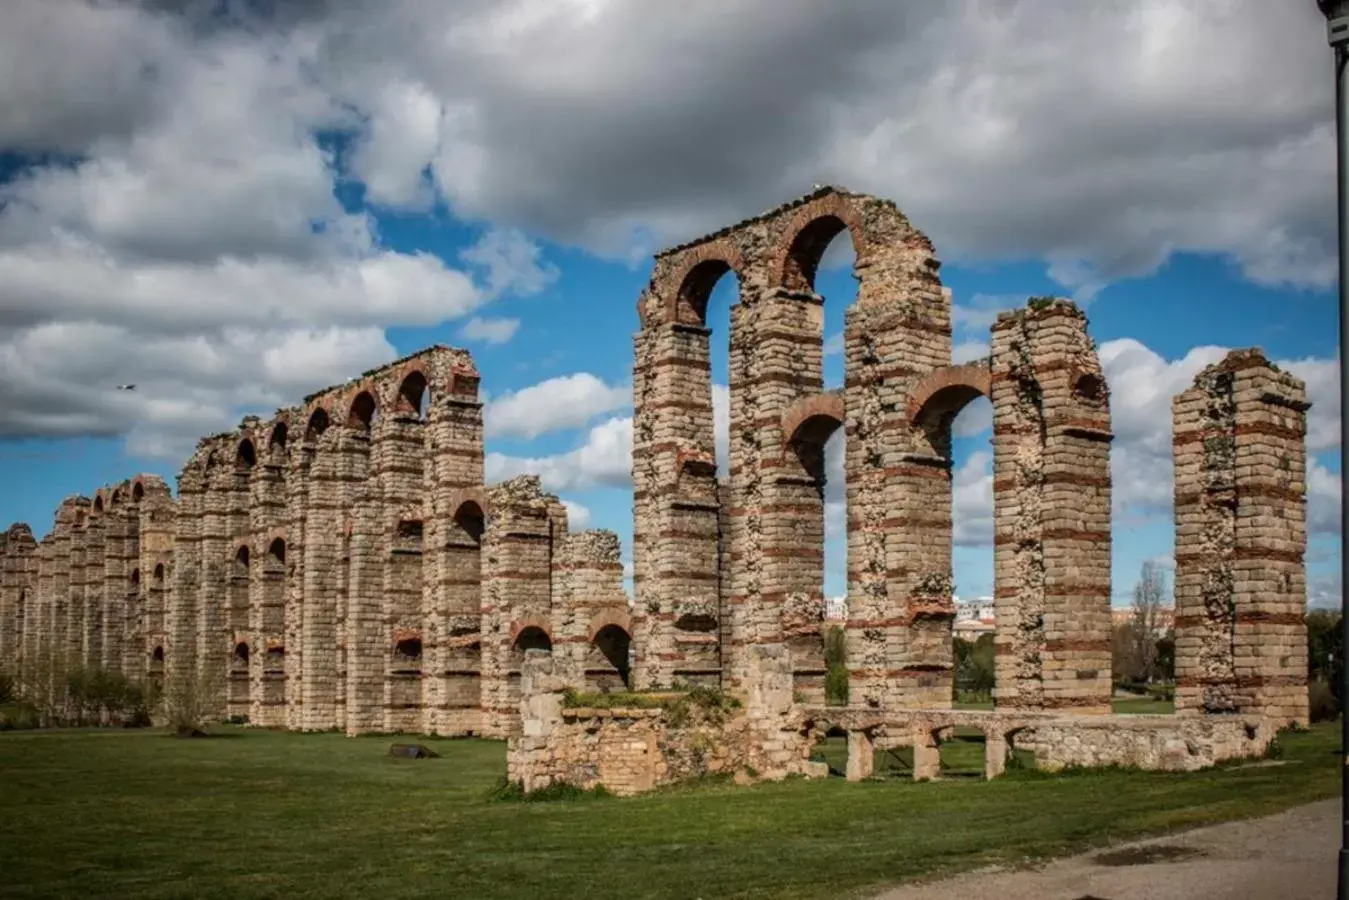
x,y
973,617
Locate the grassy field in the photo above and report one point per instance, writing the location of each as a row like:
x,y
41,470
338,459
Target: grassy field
x,y
263,814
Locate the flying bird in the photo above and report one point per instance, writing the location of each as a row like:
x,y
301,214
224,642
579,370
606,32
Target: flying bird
x,y
126,387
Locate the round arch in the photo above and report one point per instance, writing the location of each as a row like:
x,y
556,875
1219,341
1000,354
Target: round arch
x,y
246,455
947,390
414,394
690,284
809,233
362,412
318,423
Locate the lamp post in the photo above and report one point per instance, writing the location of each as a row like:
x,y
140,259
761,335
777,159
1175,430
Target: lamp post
x,y
1337,19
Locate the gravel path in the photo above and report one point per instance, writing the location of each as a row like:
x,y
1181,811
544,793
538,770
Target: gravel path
x,y
1289,856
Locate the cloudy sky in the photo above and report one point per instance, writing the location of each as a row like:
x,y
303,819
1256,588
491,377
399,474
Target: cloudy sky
x,y
233,204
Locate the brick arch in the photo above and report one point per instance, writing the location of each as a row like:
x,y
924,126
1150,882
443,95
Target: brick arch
x,y
241,544
403,404
796,272
520,624
475,495
317,419
813,418
605,619
953,386
688,285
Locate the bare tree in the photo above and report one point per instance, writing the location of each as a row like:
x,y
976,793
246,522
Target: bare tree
x,y
1150,598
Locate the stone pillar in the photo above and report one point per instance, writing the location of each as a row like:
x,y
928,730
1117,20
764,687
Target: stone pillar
x,y
74,611
66,631
1051,483
777,484
17,582
365,625
116,579
861,756
588,598
184,604
926,756
95,564
676,572
899,574
995,755
298,484
213,644
452,597
157,545
318,632
1240,473
516,592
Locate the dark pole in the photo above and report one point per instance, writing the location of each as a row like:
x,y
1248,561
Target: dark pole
x,y
1337,16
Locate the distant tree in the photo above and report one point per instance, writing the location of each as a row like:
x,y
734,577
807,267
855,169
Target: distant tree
x,y
1325,649
974,667
1151,598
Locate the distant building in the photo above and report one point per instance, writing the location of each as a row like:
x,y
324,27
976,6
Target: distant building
x,y
1166,618
836,609
973,618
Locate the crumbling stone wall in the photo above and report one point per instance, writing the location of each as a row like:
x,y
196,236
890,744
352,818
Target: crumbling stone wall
x,y
632,750
1239,436
339,566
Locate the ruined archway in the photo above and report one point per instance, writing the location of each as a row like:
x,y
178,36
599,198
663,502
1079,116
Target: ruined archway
x,y
363,410
608,662
414,396
245,456
318,424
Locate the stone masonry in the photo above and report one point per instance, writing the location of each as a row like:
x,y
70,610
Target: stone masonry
x,y
1241,531
339,566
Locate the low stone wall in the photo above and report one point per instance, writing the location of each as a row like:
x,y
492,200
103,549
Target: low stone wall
x,y
629,751
1157,743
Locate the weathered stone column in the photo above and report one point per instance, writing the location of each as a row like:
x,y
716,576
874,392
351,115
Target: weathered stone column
x,y
1240,473
267,578
1051,484
353,472
995,755
95,563
158,528
298,485
452,538
365,620
592,627
115,578
516,591
184,601
861,756
74,611
676,534
318,632
213,644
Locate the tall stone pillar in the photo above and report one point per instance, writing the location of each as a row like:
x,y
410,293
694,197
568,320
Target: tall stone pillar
x,y
676,534
452,538
1239,436
184,601
323,535
298,478
1051,484
95,564
18,580
516,593
267,579
365,626
213,645
116,579
158,536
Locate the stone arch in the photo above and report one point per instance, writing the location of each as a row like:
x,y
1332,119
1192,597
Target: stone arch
x,y
619,618
614,643
690,284
158,574
240,554
157,656
277,438
135,578
813,419
276,549
98,502
950,387
526,626
245,455
240,656
317,424
809,232
363,411
137,491
414,393
117,497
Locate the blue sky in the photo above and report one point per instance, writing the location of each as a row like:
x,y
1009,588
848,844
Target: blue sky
x,y
278,208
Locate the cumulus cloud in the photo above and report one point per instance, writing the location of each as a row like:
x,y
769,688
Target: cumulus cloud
x,y
512,262
558,404
578,516
489,330
972,501
604,459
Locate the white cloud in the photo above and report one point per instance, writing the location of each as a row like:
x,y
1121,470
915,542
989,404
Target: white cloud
x,y
568,401
603,460
833,345
489,330
972,501
1323,499
1322,377
969,351
512,262
721,428
578,515
403,135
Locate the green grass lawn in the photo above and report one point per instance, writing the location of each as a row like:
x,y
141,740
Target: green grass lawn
x,y
264,814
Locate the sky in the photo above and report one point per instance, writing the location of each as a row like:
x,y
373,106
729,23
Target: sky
x,y
233,204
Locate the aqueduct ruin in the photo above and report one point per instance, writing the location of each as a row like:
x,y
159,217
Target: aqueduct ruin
x,y
343,564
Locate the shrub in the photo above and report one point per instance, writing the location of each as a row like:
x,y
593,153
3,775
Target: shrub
x,y
191,702
1321,701
507,791
9,688
836,673
18,715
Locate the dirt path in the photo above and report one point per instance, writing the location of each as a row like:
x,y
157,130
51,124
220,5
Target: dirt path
x,y
1290,856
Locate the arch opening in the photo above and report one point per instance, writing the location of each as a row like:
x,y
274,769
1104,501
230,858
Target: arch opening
x,y
157,655
137,491
615,645
808,252
277,550
158,575
532,637
966,420
98,503
469,517
414,396
318,424
246,456
408,650
363,411
241,653
241,558
135,577
277,440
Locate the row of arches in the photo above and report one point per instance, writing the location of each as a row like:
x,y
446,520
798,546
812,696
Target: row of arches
x,y
412,401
